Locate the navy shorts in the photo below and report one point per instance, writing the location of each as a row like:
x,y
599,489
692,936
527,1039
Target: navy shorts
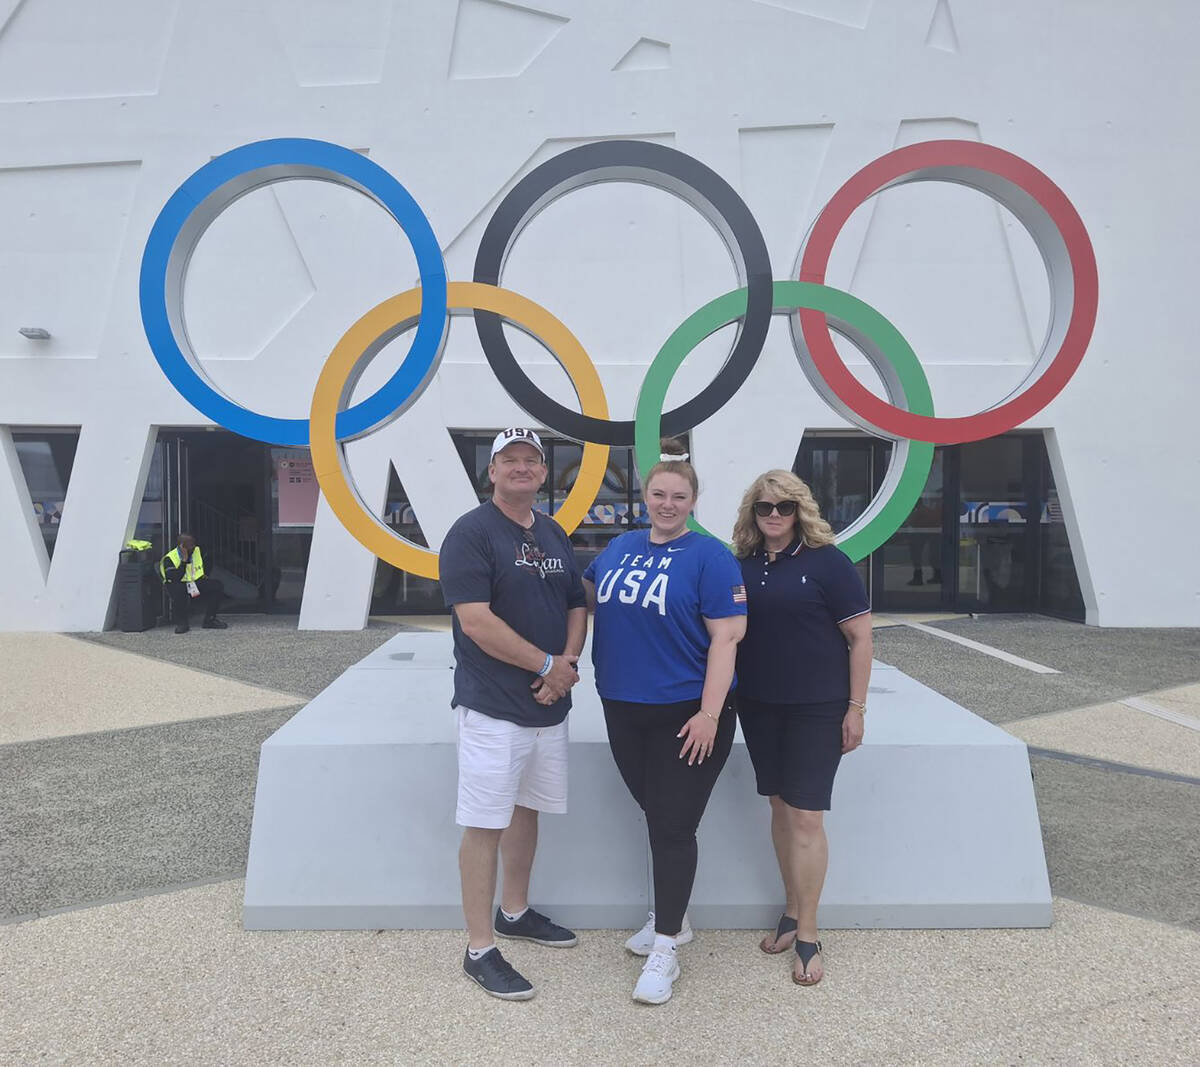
x,y
795,749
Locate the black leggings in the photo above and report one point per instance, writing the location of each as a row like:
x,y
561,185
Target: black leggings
x,y
671,793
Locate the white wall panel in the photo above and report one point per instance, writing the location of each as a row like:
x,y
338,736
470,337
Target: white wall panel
x,y
107,108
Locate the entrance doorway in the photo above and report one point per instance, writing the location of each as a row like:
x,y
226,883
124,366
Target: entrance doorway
x,y
214,485
986,535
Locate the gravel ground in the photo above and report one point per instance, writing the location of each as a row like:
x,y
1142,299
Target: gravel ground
x,y
1097,665
267,650
96,816
174,979
171,977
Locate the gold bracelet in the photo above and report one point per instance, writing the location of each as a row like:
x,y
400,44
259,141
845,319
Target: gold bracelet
x,y
858,704
715,718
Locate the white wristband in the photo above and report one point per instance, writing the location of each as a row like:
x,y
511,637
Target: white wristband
x,y
546,666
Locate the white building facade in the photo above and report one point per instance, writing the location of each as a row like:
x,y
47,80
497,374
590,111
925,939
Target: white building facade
x,y
107,109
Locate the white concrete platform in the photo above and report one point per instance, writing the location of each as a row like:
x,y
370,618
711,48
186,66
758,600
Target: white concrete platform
x,y
934,822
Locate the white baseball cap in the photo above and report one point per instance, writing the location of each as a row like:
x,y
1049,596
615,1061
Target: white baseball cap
x,y
517,435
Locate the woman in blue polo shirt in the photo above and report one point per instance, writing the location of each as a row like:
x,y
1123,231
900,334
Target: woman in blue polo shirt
x,y
803,670
670,610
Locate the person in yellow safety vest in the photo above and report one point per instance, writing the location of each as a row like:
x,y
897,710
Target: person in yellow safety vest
x,y
182,571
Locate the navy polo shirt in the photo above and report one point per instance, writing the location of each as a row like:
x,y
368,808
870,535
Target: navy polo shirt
x,y
793,651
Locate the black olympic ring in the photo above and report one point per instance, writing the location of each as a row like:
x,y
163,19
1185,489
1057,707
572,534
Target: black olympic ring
x,y
674,172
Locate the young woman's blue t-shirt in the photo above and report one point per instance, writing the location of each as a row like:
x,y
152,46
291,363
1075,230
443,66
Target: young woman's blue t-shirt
x,y
649,641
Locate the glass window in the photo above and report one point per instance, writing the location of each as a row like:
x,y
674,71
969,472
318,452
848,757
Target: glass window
x,y
397,592
46,458
294,495
612,510
993,542
840,473
912,557
1059,593
152,511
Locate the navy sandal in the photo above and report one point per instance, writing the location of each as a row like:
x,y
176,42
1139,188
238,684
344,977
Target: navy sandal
x,y
787,925
806,950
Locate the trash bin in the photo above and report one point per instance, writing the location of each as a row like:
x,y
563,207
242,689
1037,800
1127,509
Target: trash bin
x,y
138,591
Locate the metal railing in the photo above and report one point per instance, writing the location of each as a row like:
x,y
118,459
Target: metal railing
x,y
228,542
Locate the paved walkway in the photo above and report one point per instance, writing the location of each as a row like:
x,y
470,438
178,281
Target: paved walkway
x,y
124,814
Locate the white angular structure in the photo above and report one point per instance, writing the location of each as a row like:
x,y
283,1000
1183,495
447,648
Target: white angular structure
x,y
934,822
108,108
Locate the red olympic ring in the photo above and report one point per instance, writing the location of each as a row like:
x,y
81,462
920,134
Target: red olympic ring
x,y
946,160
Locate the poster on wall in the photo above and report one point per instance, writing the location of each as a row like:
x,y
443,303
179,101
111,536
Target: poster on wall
x,y
296,486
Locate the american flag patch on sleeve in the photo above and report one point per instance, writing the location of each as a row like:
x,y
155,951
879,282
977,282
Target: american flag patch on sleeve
x,y
739,594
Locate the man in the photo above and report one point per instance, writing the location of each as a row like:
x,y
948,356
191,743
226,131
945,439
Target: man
x,y
519,620
182,571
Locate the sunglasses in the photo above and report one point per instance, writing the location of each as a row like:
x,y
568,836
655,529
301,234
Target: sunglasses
x,y
763,508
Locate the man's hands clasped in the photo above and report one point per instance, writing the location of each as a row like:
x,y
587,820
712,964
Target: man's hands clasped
x,y
558,681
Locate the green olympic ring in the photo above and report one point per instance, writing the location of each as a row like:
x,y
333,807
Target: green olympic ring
x,y
858,322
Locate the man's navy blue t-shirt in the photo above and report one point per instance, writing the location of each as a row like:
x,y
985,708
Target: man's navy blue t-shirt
x,y
793,651
649,641
531,580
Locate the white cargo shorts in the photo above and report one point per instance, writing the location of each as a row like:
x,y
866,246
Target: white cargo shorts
x,y
501,764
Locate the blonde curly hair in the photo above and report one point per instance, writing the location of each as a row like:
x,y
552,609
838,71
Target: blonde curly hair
x,y
783,485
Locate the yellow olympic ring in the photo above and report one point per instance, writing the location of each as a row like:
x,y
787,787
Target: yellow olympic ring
x,y
392,317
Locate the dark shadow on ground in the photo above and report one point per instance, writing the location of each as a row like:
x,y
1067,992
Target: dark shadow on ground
x,y
1097,665
1121,841
95,816
261,649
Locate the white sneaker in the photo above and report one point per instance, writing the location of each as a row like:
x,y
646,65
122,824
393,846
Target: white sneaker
x,y
658,975
642,943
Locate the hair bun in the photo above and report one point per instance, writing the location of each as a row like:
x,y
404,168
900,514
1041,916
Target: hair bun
x,y
671,448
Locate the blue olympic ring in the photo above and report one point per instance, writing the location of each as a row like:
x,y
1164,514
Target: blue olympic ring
x,y
192,209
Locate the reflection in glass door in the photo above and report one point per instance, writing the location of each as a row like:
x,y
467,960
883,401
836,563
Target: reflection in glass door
x,y
177,490
910,568
840,471
987,534
995,563
293,500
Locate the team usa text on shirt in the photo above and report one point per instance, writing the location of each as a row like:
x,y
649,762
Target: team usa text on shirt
x,y
641,578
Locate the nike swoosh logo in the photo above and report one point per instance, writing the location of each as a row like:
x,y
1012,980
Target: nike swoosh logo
x,y
674,549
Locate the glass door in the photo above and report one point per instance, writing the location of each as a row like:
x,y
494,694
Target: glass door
x,y
841,472
176,489
293,494
1059,592
997,569
911,570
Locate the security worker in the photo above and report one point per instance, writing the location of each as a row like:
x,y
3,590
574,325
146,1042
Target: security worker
x,y
182,571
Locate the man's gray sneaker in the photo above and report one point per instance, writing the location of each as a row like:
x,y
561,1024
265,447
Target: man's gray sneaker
x,y
497,976
534,926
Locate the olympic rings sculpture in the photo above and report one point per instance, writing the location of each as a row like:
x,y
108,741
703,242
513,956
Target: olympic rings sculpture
x,y
906,417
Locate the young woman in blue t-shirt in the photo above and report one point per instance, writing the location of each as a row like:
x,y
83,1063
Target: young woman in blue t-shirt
x,y
803,670
670,610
